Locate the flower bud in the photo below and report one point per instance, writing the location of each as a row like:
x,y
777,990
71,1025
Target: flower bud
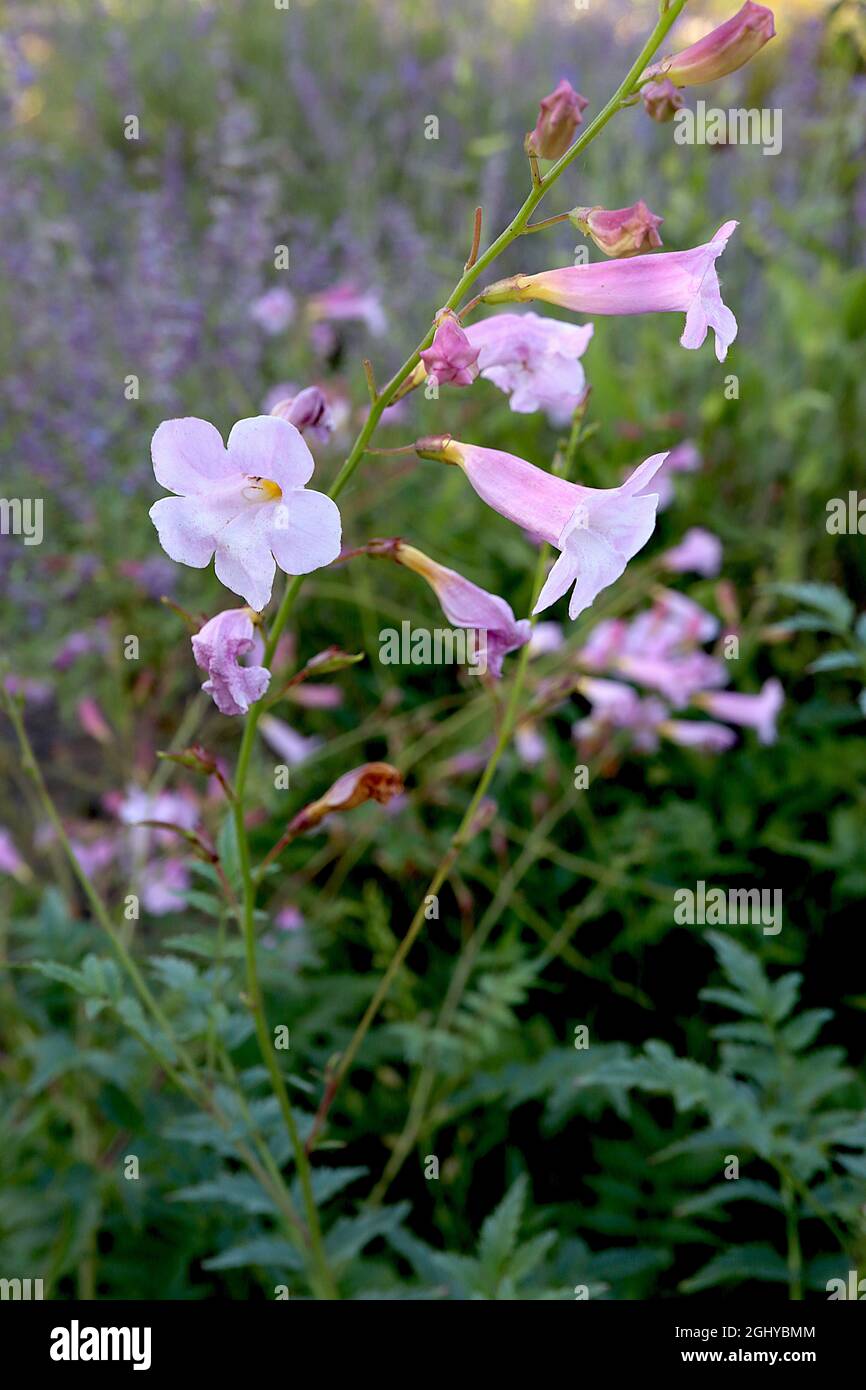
x,y
451,360
559,115
722,51
309,412
661,100
621,232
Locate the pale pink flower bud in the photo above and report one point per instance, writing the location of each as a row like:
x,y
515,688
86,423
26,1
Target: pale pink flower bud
x,y
309,412
622,231
722,51
661,100
451,360
559,115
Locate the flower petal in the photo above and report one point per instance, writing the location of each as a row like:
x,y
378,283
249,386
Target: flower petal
x,y
189,456
244,562
597,564
183,537
304,531
560,579
266,446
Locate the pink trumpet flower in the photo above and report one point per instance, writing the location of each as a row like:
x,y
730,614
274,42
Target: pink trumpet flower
x,y
723,50
243,503
468,605
670,282
758,712
596,530
217,649
534,360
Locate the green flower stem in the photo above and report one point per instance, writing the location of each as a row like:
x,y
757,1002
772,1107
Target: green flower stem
x,y
514,229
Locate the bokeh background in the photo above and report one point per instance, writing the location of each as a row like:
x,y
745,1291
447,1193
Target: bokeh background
x,y
149,257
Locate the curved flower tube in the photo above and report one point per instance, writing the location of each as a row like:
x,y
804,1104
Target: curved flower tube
x,y
668,282
596,530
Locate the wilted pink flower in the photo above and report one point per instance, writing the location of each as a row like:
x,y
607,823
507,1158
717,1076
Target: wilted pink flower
x,y
758,712
670,282
274,310
701,734
308,411
217,649
294,748
245,503
661,100
621,231
559,116
345,303
597,530
451,359
722,51
534,360
369,782
467,605
699,552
